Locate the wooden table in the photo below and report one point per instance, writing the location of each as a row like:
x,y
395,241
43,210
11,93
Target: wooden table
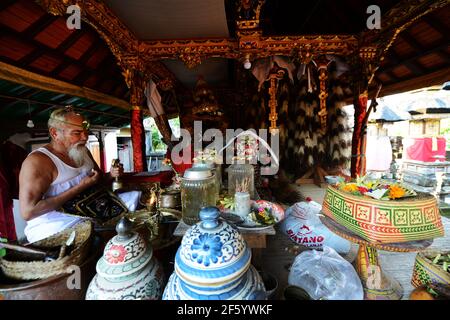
x,y
256,240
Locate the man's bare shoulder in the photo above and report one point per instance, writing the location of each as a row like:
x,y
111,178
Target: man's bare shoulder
x,y
38,160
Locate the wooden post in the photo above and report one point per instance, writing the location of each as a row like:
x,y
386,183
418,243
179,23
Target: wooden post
x,y
358,140
364,68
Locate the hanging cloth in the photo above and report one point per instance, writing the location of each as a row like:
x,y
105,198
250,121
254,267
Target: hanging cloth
x,y
156,109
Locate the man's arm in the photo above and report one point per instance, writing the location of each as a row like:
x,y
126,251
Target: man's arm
x,y
35,178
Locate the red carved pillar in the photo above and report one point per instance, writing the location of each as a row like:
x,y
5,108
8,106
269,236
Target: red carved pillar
x,y
364,68
137,127
358,141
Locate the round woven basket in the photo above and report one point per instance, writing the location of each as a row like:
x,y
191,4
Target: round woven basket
x,y
33,270
426,272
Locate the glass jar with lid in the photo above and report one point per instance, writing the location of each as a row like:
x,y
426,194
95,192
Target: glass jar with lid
x,y
241,174
198,189
215,168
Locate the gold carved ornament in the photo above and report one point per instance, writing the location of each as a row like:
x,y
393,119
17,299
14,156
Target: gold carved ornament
x,y
322,65
274,76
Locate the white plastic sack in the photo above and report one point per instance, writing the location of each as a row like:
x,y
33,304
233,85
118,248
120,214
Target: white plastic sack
x,y
303,226
325,275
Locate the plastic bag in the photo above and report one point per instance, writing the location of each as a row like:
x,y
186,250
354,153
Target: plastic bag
x,y
303,226
325,275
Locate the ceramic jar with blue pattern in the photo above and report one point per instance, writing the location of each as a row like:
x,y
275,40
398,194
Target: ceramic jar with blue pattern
x,y
127,269
213,263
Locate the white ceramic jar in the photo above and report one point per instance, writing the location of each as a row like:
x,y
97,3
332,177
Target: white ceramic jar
x,y
213,263
127,269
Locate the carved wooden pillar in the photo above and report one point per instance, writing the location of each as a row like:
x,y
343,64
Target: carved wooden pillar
x,y
363,71
136,84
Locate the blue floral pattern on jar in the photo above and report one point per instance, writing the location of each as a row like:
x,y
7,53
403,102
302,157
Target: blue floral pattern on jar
x,y
206,248
232,246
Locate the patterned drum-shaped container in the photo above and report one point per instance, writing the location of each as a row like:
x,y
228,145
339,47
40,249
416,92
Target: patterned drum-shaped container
x,y
213,263
127,270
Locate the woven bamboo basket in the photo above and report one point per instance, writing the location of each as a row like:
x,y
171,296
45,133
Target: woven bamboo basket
x,y
33,270
394,221
426,272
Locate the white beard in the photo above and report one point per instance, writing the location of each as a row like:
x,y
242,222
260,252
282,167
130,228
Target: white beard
x,y
79,155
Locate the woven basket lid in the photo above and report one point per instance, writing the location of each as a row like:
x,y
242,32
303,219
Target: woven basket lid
x,y
212,252
125,254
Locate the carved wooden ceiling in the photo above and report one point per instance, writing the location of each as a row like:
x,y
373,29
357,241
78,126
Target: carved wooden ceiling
x,y
108,45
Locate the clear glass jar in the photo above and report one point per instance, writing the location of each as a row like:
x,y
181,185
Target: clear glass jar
x,y
198,189
237,174
216,169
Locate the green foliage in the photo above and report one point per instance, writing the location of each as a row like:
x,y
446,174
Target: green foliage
x,y
157,144
3,250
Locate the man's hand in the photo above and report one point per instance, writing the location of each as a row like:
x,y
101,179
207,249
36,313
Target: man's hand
x,y
116,171
90,180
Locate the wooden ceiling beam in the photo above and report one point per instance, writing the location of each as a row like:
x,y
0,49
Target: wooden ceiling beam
x,y
413,59
71,39
25,96
104,70
85,73
38,26
411,41
438,26
66,44
18,75
44,49
434,77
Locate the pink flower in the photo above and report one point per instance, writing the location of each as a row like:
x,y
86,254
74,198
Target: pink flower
x,y
116,254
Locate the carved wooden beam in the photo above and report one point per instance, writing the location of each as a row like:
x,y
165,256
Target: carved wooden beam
x,y
192,52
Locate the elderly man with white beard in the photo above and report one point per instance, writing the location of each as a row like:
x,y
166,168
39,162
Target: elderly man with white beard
x,y
55,173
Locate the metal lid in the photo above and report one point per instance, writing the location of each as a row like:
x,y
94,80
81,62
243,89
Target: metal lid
x,y
208,165
197,173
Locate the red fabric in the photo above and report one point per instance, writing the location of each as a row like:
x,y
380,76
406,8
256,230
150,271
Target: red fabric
x,y
12,157
137,138
421,149
7,226
180,168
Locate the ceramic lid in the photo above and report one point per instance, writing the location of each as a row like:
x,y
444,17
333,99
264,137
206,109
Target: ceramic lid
x,y
197,173
125,253
212,252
